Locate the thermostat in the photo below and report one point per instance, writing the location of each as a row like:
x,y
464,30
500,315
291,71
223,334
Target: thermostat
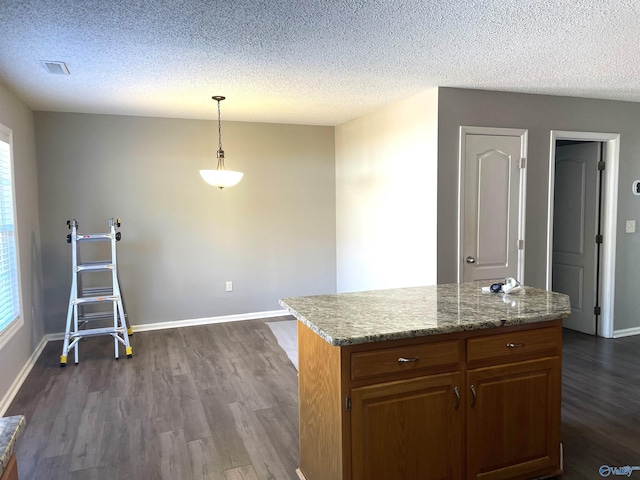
x,y
636,187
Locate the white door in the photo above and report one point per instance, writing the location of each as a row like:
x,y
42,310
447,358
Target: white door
x,y
492,204
574,231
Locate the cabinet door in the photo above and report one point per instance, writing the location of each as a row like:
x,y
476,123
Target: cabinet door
x,y
408,430
513,420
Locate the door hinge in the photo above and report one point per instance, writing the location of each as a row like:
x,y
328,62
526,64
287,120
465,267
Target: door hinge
x,y
601,165
523,162
596,310
598,238
520,244
347,404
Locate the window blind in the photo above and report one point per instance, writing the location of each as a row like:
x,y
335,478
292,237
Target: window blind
x,y
9,300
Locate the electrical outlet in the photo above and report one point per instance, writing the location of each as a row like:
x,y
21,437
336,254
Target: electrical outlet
x,y
630,226
229,286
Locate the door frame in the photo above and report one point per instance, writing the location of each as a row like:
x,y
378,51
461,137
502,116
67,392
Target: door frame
x,y
609,218
496,131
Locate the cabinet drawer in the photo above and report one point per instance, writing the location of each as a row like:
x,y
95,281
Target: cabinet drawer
x,y
403,359
504,346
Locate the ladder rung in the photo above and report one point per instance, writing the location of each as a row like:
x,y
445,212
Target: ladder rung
x,y
90,332
84,237
93,266
106,298
96,291
89,317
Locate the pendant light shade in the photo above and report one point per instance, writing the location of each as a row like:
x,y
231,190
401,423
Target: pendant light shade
x,y
220,177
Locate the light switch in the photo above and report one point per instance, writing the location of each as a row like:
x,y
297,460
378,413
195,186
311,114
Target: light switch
x,y
630,226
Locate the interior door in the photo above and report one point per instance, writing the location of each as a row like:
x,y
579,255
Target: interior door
x,y
574,231
492,206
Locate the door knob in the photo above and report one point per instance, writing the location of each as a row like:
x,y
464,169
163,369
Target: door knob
x,y
471,259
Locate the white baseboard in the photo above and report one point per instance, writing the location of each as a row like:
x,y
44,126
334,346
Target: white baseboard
x,y
146,327
17,383
626,332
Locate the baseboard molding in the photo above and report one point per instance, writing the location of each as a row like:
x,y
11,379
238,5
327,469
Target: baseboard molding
x,y
17,383
146,327
626,332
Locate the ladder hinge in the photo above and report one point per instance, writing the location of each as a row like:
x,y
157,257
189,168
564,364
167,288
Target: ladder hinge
x,y
596,310
520,244
523,162
598,238
347,404
601,165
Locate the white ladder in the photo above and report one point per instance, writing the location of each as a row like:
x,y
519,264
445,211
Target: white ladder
x,y
77,318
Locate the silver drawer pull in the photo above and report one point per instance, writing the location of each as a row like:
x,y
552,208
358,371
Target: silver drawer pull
x,y
515,345
407,360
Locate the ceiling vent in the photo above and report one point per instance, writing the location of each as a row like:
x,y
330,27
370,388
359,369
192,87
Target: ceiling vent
x,y
56,68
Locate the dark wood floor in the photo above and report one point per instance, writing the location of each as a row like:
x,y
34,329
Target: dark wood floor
x,y
208,402
220,402
600,404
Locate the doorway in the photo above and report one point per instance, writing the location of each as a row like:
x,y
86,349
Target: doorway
x,y
583,172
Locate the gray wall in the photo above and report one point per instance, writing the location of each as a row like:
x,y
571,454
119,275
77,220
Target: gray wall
x,y
273,234
13,357
540,114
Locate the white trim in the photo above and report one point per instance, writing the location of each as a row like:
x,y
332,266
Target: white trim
x,y
17,383
522,207
626,332
147,327
6,135
10,330
609,216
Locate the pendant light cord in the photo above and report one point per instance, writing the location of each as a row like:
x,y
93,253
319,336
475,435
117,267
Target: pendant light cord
x,y
220,154
219,129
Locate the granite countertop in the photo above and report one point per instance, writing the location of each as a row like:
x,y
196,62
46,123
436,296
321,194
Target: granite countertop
x,y
378,315
10,429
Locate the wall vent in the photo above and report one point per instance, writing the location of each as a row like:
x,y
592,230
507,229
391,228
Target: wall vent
x,y
56,68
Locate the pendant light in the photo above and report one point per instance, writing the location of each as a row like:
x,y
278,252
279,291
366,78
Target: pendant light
x,y
220,177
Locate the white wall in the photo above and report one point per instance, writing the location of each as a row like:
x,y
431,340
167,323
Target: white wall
x,y
15,355
386,194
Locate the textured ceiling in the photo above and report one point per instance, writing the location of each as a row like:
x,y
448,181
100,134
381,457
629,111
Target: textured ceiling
x,y
310,61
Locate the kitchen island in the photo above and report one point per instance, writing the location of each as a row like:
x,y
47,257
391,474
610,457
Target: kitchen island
x,y
441,382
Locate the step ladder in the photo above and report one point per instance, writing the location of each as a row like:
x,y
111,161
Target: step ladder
x,y
77,319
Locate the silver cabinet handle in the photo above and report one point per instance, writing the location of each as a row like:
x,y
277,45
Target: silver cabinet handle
x,y
515,345
407,360
470,259
457,394
473,396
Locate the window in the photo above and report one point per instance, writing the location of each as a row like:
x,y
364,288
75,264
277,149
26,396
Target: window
x,y
9,294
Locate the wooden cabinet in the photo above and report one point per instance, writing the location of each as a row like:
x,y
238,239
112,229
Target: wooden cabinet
x,y
482,404
407,429
513,420
11,470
